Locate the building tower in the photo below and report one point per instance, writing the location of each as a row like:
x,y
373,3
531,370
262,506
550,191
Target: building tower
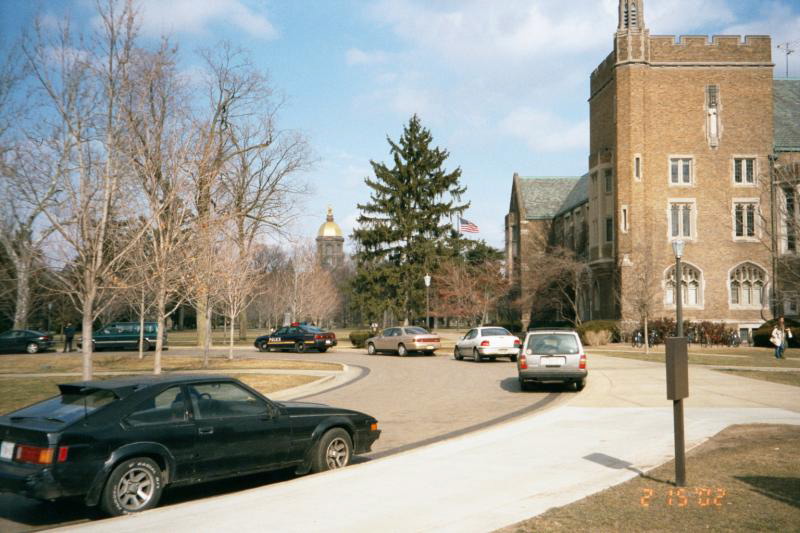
x,y
330,243
680,134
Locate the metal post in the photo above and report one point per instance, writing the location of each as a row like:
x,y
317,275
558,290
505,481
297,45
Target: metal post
x,y
774,236
427,280
680,453
677,404
678,296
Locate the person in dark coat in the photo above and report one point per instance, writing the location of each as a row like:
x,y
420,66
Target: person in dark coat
x,y
69,334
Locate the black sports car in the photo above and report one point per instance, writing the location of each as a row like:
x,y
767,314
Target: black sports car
x,y
23,340
119,443
297,337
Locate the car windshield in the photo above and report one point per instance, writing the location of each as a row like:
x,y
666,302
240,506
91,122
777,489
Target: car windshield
x,y
415,331
489,332
550,343
312,329
67,407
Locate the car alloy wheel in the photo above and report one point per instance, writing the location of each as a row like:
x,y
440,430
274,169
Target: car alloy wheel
x,y
371,349
401,350
32,348
334,450
133,486
299,347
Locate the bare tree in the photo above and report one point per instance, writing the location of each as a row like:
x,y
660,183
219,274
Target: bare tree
x,y
81,84
236,138
469,291
312,291
559,283
237,284
641,298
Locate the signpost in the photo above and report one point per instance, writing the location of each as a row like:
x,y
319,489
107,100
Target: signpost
x,y
678,371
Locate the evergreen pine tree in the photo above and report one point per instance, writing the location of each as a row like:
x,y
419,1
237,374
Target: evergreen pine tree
x,y
406,226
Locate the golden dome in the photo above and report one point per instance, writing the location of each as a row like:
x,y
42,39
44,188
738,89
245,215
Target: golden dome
x,y
329,228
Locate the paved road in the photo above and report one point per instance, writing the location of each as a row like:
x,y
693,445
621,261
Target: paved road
x,y
417,400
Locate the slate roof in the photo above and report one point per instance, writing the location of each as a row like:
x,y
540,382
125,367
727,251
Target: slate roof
x,y
577,196
786,98
543,198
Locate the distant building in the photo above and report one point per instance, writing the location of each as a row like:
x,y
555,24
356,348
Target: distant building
x,y
685,135
330,243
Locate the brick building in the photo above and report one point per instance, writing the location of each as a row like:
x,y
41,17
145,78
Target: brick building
x,y
683,145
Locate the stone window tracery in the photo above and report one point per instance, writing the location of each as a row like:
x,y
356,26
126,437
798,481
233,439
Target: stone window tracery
x,y
746,285
691,282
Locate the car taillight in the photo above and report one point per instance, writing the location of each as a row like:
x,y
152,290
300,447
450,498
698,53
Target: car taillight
x,y
523,362
582,363
517,342
40,456
318,337
484,343
428,339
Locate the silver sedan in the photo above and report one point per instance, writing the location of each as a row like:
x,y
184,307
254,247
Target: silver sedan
x,y
403,340
490,341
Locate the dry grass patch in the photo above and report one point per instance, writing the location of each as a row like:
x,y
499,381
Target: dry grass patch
x,y
746,478
785,378
26,364
19,392
761,357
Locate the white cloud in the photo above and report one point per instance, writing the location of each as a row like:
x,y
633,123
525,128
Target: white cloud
x,y
355,56
545,131
197,16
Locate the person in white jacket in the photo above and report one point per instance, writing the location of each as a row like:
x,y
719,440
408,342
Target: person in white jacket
x,y
779,337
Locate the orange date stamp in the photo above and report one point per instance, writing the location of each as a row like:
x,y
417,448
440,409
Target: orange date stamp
x,y
685,497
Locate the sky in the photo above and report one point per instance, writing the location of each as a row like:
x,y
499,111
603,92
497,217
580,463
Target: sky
x,y
502,86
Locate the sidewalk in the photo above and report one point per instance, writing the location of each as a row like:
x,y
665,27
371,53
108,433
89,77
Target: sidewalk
x,y
620,425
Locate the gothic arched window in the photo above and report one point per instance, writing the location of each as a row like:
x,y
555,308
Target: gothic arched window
x,y
691,282
746,285
633,15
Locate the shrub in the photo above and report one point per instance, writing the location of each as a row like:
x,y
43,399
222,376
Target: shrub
x,y
597,338
764,332
359,336
608,330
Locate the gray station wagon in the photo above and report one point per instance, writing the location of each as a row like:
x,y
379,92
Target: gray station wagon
x,y
552,356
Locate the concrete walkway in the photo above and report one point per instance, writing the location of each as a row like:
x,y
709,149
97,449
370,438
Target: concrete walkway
x,y
620,425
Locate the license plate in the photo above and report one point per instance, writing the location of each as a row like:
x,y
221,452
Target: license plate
x,y
552,361
7,450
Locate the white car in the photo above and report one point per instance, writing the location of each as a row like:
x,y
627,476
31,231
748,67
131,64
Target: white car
x,y
489,341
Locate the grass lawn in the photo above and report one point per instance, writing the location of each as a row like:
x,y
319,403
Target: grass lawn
x,y
786,378
43,363
19,392
742,356
746,478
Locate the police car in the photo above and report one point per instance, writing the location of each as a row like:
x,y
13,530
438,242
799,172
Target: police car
x,y
297,337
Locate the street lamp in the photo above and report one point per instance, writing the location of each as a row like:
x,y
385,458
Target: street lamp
x,y
677,247
677,363
427,301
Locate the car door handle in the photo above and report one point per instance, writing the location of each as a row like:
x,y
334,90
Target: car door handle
x,y
205,431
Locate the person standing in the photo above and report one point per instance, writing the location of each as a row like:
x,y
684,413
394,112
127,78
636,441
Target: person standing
x,y
780,334
69,334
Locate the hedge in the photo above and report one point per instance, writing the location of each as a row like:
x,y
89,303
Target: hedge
x,y
359,336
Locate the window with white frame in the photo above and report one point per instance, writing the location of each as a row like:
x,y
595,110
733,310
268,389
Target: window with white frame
x,y
623,219
746,285
681,220
680,170
691,282
637,167
744,170
745,217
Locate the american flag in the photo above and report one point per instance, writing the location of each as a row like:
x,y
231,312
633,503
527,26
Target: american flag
x,y
465,226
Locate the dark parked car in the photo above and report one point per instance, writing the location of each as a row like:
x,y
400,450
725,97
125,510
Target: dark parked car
x,y
125,335
23,340
119,443
297,337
